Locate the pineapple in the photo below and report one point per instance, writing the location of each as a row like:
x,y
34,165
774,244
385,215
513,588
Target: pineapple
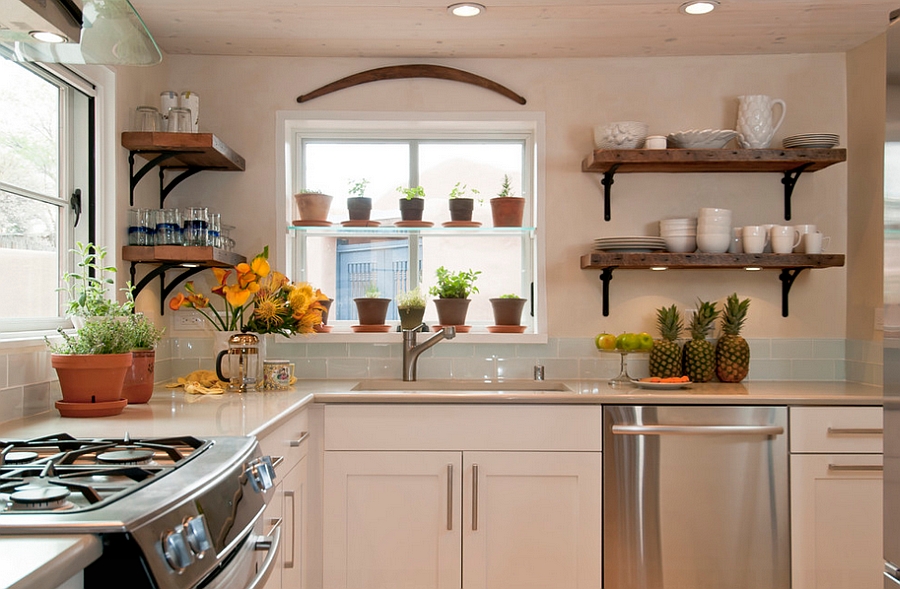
x,y
665,356
732,351
699,356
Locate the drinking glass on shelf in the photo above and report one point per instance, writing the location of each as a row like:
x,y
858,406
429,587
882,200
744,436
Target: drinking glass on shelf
x,y
140,231
147,118
168,227
179,120
196,226
215,228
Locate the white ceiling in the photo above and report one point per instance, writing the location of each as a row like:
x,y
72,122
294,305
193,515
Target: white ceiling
x,y
509,28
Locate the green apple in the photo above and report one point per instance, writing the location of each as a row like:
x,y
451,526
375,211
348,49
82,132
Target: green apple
x,y
620,341
630,342
605,341
645,341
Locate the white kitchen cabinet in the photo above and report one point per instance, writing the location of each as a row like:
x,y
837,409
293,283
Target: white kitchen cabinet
x,y
836,498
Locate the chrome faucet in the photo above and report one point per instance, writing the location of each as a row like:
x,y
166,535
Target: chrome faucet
x,y
411,351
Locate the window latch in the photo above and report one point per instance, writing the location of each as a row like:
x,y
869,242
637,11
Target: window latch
x,y
75,204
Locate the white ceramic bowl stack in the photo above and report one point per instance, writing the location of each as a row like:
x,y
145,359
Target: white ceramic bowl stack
x,y
680,235
714,231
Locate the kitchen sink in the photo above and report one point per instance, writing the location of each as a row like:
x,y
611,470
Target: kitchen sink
x,y
474,386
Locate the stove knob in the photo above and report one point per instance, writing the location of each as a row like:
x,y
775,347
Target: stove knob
x,y
261,474
175,549
197,536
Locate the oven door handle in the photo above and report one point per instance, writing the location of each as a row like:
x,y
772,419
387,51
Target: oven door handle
x,y
698,430
272,544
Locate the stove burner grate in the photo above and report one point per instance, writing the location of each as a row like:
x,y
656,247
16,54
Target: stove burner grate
x,y
19,457
40,497
128,456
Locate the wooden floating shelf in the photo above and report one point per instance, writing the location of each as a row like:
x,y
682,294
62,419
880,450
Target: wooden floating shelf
x,y
206,256
187,150
711,160
700,261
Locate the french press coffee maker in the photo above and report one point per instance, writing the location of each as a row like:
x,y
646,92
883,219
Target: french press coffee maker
x,y
241,361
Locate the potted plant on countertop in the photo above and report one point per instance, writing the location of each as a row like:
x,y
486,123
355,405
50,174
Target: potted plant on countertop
x,y
411,307
372,311
507,310
139,380
507,209
412,205
461,206
359,206
313,207
453,290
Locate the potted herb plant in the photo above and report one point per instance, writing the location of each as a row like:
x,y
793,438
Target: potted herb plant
x,y
359,206
372,309
453,290
87,288
507,309
411,308
412,205
313,206
507,209
461,206
138,386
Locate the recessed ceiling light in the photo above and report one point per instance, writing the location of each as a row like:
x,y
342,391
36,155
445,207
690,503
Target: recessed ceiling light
x,y
48,37
465,9
698,6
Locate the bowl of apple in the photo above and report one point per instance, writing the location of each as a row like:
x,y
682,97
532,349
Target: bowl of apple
x,y
623,344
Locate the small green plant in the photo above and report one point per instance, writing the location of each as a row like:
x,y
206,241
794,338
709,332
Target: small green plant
x,y
372,291
460,191
411,193
506,188
509,296
358,188
310,191
99,335
454,285
86,288
144,334
411,299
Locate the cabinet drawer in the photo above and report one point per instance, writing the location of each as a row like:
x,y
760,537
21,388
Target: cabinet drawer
x,y
836,429
288,440
463,427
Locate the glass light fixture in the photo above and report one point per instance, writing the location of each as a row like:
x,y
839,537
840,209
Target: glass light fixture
x,y
698,7
466,9
47,37
659,268
752,268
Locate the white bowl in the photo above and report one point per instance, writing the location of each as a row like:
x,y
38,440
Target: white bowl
x,y
620,135
680,243
713,231
717,227
705,139
713,244
706,211
678,233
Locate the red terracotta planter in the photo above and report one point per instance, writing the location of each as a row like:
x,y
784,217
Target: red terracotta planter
x,y
138,387
507,211
91,378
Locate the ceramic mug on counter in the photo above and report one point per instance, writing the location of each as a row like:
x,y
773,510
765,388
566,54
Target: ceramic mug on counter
x,y
277,375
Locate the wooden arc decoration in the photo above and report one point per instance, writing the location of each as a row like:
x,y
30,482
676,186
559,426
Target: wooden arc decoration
x,y
399,72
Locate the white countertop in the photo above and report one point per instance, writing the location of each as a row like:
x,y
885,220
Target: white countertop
x,y
45,562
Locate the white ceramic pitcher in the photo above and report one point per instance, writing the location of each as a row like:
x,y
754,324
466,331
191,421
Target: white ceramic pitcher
x,y
754,121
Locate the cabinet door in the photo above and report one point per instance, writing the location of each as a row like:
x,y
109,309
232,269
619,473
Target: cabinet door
x,y
273,516
294,532
392,520
836,521
532,520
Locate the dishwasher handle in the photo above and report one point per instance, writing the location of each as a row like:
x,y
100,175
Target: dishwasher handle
x,y
698,430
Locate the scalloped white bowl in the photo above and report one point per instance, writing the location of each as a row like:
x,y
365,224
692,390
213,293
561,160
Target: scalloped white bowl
x,y
620,135
705,139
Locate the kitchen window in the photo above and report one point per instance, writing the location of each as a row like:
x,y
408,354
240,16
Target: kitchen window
x,y
44,156
330,155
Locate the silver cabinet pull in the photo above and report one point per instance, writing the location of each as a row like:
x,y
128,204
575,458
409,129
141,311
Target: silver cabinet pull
x,y
698,430
449,496
856,467
855,431
474,497
276,460
289,564
297,442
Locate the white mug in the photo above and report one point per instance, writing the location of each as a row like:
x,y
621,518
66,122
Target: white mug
x,y
784,239
655,142
755,239
737,243
803,230
815,242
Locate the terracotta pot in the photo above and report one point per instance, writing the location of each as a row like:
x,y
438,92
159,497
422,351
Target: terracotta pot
x,y
452,311
138,387
91,378
461,209
411,209
508,211
359,208
508,311
411,317
313,206
372,311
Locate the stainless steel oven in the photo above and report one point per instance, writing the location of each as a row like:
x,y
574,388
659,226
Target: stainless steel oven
x,y
171,513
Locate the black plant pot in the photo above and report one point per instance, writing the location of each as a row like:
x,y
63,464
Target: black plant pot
x,y
411,209
372,311
461,209
452,311
359,207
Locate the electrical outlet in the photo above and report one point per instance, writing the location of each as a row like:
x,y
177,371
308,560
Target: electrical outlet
x,y
189,320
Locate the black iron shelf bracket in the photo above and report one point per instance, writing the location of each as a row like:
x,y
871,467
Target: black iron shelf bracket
x,y
605,278
160,272
789,181
164,189
607,182
787,277
135,178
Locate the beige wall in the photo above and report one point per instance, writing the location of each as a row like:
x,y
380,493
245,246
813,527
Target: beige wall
x,y
240,97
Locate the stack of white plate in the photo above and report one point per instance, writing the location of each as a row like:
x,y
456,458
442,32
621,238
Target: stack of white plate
x,y
812,141
680,235
629,244
714,230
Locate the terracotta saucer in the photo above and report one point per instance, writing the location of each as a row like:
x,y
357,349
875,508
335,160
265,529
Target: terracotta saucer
x,y
311,223
459,328
323,328
506,328
461,224
371,328
362,223
103,409
413,224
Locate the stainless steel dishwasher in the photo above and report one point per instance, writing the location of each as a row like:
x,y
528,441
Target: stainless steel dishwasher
x,y
695,498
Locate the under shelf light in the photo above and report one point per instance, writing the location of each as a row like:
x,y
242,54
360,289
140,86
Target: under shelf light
x,y
466,9
695,7
752,268
659,268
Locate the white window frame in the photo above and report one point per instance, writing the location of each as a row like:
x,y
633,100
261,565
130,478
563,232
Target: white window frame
x,y
441,125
